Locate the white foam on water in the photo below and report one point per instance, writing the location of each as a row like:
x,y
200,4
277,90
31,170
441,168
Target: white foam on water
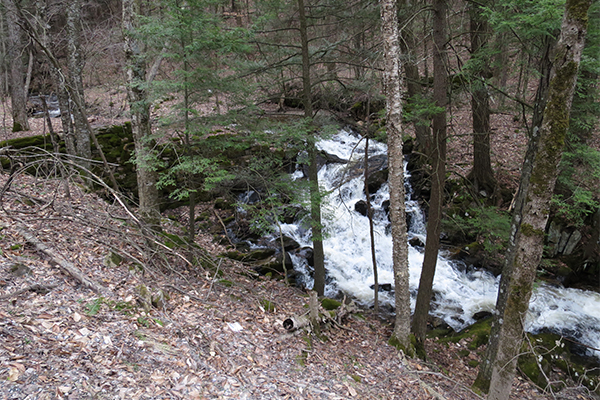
x,y
459,292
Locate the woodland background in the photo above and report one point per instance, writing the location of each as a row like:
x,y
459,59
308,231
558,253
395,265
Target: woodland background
x,y
222,97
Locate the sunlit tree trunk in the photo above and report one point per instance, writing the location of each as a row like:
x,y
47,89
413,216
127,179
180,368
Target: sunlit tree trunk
x,y
393,91
438,170
530,236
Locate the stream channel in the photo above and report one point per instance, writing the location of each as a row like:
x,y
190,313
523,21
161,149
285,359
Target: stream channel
x,y
459,290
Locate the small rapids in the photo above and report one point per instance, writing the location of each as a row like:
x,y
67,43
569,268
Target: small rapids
x,y
459,292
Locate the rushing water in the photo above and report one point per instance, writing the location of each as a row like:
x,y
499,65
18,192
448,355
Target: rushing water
x,y
460,292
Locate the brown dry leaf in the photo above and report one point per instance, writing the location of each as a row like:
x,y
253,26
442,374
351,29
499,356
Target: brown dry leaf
x,y
13,374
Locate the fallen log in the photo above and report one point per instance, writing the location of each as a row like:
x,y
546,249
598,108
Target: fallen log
x,y
296,322
64,265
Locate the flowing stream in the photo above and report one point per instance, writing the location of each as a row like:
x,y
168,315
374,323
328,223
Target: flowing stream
x,y
459,291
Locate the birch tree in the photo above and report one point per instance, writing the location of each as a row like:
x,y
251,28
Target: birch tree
x,y
393,92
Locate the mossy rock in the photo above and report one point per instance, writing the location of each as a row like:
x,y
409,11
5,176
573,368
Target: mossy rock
x,y
542,352
476,335
330,304
464,353
252,256
223,204
112,259
41,141
259,254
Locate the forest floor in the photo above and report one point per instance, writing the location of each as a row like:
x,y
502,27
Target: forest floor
x,y
218,335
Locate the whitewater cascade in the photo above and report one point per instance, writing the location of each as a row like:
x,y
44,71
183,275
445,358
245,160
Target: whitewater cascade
x,y
459,292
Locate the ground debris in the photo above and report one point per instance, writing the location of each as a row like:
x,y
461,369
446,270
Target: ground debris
x,y
217,337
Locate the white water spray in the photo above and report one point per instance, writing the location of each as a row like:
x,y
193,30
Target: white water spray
x,y
459,292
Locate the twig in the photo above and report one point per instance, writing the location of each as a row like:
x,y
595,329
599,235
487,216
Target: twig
x,y
224,227
63,264
41,289
191,296
212,281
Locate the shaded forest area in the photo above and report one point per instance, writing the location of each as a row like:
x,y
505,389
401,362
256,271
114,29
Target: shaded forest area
x,y
132,129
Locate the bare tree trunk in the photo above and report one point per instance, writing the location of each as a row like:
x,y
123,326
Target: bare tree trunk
x,y
313,168
370,216
393,91
482,175
485,370
75,65
16,49
147,175
438,173
413,78
59,81
530,237
4,90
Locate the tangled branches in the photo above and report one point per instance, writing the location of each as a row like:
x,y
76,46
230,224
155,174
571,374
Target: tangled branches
x,y
66,204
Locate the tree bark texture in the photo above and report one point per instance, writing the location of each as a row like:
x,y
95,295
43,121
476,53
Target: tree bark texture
x,y
530,237
482,174
75,65
438,170
313,169
414,90
147,175
16,49
393,91
485,370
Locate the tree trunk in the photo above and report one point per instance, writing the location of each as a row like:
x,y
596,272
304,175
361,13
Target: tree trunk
x,y
371,228
485,370
147,175
438,173
58,79
16,47
392,89
75,66
481,176
530,236
413,79
313,168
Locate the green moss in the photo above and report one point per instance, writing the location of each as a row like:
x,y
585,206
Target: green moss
x,y
226,282
464,353
578,9
301,359
268,306
172,241
330,304
473,363
408,350
356,378
17,127
528,230
476,335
